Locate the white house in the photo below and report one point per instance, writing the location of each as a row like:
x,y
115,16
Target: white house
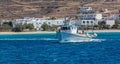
x,y
84,22
3,21
114,16
92,16
117,16
110,22
90,19
38,22
89,22
86,10
18,22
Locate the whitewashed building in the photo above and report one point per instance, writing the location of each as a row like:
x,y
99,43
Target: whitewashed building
x,y
93,16
85,22
118,16
3,21
114,16
38,22
18,22
110,22
86,10
90,19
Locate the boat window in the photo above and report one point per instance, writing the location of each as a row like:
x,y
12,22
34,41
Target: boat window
x,y
65,28
68,28
72,27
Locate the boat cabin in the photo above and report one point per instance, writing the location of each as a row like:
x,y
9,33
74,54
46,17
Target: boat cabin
x,y
69,28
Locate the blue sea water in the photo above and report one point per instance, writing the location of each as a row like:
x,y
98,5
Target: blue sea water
x,y
45,49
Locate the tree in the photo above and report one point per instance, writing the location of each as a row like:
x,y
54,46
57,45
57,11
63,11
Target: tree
x,y
101,25
82,27
115,26
85,27
54,27
8,23
19,28
45,27
5,27
29,26
96,27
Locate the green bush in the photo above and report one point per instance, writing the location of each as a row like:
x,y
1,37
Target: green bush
x,y
20,28
29,26
5,27
115,26
46,27
54,27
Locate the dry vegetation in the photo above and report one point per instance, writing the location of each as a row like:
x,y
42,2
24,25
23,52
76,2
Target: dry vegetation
x,y
12,9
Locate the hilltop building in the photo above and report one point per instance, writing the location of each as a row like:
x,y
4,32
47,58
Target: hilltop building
x,y
86,10
88,17
114,16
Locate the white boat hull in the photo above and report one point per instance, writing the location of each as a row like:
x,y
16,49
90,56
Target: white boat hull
x,y
68,37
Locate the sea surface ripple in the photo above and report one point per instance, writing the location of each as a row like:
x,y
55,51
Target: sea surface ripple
x,y
45,49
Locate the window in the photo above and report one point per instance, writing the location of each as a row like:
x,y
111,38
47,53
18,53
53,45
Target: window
x,y
83,21
87,21
91,21
36,23
44,23
48,22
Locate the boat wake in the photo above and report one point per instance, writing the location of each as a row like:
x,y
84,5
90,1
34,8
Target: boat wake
x,y
54,39
46,39
98,40
92,40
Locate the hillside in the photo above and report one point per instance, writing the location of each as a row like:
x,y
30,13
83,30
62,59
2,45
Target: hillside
x,y
12,9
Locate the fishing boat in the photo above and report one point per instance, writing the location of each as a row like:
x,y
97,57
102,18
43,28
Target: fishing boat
x,y
69,33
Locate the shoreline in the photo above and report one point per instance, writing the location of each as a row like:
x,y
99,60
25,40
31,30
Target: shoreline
x,y
47,32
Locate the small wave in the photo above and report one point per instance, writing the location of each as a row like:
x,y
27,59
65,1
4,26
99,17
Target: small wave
x,y
112,39
98,40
